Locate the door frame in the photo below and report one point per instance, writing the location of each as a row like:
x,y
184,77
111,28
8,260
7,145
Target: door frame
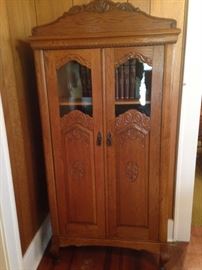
x,y
8,212
189,125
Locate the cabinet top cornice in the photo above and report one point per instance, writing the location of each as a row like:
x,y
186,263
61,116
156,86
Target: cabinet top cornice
x,y
105,19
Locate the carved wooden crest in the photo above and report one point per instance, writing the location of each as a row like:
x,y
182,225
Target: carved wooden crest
x,y
103,6
132,125
141,121
77,117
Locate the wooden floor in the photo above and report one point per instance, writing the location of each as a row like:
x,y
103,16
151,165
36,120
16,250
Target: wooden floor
x,y
182,257
96,258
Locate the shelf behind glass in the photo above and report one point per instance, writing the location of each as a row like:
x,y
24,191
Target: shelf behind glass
x,y
128,101
69,101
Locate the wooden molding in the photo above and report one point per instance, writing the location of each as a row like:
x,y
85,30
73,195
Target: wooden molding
x,y
73,57
92,21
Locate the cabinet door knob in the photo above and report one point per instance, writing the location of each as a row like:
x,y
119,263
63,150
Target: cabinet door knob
x,y
109,139
99,139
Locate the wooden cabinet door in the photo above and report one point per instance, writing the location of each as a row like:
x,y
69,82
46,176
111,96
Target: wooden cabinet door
x,y
133,96
75,106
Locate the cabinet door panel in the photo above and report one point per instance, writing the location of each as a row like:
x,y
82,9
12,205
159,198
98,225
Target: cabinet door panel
x,y
133,154
78,157
131,141
75,98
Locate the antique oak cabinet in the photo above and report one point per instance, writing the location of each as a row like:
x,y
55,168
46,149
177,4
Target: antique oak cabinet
x,y
104,82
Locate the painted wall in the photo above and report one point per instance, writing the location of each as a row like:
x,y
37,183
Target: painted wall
x,y
3,252
20,100
189,124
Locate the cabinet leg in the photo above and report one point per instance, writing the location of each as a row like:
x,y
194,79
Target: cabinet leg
x,y
54,249
164,257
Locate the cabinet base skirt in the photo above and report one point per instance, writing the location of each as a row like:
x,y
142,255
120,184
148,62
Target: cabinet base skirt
x,y
157,248
154,247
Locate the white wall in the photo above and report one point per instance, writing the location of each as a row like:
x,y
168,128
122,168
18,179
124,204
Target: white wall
x,y
11,249
189,123
3,251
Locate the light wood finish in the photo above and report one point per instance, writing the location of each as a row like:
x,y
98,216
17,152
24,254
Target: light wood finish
x,y
83,32
49,10
144,5
134,216
113,193
78,161
44,110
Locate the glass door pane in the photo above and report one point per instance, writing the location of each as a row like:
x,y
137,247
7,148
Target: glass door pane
x,y
74,88
133,80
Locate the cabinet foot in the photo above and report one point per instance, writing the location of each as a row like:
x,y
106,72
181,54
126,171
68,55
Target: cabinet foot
x,y
54,249
164,258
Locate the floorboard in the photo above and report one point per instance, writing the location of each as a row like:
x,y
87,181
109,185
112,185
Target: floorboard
x,y
99,258
183,256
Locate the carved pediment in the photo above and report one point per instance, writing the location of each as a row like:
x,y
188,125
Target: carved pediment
x,y
103,6
104,20
101,18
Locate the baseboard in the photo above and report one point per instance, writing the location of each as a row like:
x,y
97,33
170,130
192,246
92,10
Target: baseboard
x,y
36,249
170,237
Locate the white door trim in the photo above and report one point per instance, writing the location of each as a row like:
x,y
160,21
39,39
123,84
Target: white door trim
x,y
189,124
7,202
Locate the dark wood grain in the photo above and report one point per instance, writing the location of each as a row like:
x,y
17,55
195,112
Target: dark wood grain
x,y
96,258
182,256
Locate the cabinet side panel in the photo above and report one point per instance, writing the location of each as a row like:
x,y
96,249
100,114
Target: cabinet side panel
x,y
165,9
167,150
47,140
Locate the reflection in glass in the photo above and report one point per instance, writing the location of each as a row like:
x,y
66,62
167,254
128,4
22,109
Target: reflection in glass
x,y
133,86
74,88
